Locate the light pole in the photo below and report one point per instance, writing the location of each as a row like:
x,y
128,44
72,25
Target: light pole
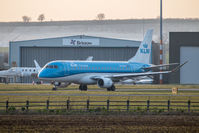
x,y
161,45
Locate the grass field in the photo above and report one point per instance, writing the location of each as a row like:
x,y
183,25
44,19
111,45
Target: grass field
x,y
99,119
72,89
41,93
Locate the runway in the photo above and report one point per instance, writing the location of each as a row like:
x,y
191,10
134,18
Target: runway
x,y
101,90
145,90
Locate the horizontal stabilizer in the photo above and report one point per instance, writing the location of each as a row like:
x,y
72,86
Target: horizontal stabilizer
x,y
159,66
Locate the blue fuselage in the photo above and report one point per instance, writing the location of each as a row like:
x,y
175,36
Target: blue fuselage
x,y
58,69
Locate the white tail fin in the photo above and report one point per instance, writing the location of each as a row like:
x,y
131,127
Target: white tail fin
x,y
143,54
37,65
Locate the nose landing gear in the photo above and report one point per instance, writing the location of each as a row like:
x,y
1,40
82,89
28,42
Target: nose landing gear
x,y
54,88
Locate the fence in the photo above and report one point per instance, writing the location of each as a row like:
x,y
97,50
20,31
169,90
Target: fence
x,y
108,105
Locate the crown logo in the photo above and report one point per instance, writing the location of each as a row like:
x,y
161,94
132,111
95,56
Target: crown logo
x,y
145,45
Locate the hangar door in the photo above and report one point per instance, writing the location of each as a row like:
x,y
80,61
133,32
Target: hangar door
x,y
46,54
189,73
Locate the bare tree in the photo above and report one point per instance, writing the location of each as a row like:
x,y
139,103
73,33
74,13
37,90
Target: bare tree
x,y
41,17
100,16
26,18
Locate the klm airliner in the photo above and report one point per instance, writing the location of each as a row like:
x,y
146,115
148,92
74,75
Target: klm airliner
x,y
103,73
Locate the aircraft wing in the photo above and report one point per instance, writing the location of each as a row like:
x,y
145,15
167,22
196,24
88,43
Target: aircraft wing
x,y
131,75
158,66
145,73
8,73
137,74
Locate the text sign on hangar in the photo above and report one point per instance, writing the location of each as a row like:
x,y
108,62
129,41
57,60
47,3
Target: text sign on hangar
x,y
81,42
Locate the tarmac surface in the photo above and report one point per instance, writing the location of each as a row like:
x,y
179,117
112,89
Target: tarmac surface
x,y
79,93
118,92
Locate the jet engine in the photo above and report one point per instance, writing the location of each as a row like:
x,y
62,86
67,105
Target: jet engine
x,y
104,83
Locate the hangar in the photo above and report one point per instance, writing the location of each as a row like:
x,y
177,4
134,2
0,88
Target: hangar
x,y
184,46
79,47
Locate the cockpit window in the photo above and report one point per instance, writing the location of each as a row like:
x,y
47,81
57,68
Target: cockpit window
x,y
52,66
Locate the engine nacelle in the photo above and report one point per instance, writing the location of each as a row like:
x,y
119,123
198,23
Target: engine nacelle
x,y
104,83
63,85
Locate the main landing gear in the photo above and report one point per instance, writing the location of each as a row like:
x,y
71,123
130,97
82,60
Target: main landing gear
x,y
83,87
54,88
112,88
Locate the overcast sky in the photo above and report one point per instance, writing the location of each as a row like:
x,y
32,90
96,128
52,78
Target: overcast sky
x,y
13,10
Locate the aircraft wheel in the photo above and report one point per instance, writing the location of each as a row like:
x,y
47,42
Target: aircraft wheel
x,y
83,87
54,88
112,88
109,89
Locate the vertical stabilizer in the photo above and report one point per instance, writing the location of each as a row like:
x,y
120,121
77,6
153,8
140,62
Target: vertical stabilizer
x,y
37,65
143,54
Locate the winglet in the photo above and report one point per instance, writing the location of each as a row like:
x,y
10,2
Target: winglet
x,y
178,67
37,65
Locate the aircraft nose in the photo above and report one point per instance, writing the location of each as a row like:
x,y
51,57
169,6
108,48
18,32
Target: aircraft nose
x,y
41,74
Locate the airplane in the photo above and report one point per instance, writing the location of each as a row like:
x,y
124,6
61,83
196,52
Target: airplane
x,y
104,73
20,72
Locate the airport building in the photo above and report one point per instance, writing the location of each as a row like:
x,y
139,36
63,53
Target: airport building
x,y
79,47
184,46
